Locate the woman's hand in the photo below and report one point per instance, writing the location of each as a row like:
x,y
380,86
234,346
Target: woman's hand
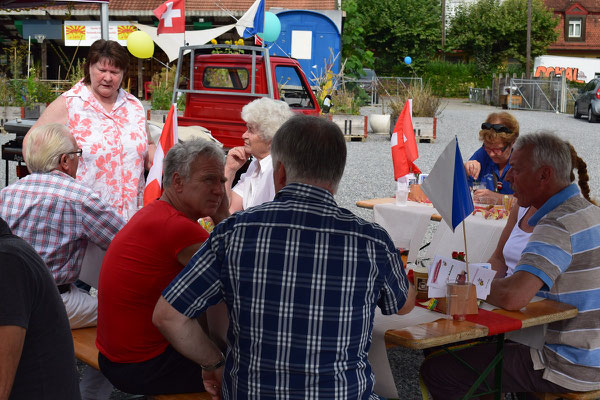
x,y
486,196
417,194
235,159
472,168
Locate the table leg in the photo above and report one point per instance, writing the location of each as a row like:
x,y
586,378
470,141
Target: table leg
x,y
495,364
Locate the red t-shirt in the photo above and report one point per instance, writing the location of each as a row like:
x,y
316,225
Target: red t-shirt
x,y
139,263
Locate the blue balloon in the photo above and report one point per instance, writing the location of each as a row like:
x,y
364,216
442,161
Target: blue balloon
x,y
272,27
407,60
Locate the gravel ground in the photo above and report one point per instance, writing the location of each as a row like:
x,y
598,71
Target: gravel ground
x,y
369,174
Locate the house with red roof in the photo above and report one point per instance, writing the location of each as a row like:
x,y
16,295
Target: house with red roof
x,y
579,28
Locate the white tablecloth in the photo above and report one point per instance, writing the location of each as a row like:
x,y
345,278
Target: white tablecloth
x,y
406,225
384,380
482,238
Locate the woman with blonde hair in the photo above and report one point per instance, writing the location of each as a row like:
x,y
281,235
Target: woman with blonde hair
x,y
489,164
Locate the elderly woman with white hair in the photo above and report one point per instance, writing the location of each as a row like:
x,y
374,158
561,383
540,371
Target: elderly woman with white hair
x,y
263,117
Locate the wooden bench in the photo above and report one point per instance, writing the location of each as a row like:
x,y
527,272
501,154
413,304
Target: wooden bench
x,y
593,395
84,343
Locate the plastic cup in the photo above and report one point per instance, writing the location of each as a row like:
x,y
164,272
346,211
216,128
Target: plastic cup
x,y
402,196
457,295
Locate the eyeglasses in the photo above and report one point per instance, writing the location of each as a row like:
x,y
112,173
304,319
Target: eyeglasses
x,y
495,151
497,127
79,152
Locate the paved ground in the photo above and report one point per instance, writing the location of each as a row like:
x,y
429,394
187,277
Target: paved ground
x,y
369,174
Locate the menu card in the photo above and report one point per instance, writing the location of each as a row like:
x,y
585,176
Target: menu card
x,y
445,270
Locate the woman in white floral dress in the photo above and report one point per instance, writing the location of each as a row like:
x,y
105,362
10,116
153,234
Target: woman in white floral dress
x,y
109,124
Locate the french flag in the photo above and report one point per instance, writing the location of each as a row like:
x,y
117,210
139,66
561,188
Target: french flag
x,y
168,137
447,187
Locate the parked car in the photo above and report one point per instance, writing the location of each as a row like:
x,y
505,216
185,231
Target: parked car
x,y
588,101
368,82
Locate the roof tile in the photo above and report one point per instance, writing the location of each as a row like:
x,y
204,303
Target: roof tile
x,y
561,5
235,5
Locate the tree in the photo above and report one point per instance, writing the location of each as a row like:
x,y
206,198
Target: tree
x,y
353,43
394,29
490,31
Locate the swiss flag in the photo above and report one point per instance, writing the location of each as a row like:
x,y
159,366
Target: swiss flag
x,y
171,17
404,145
168,138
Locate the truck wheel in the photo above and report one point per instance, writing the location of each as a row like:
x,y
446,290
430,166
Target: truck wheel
x,y
576,114
591,116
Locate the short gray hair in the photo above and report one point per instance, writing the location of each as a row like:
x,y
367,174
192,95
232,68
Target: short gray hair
x,y
267,114
312,149
548,149
181,156
44,145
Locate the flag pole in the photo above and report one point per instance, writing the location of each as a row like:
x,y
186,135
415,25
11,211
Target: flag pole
x,y
464,226
262,43
184,42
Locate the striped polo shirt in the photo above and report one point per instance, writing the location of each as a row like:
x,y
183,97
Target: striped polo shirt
x,y
564,252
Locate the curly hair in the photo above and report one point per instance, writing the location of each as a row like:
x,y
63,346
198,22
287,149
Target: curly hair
x,y
267,114
505,119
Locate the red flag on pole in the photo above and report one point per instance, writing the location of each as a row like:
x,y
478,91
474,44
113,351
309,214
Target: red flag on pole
x,y
168,138
404,145
171,17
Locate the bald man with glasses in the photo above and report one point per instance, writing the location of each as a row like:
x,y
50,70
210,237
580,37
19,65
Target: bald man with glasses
x,y
58,215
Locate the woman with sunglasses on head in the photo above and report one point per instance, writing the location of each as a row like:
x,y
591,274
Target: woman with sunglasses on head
x,y
489,164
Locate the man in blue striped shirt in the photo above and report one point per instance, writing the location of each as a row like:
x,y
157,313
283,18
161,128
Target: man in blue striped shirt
x,y
561,262
301,278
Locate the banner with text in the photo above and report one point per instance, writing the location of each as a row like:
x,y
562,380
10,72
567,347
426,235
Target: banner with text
x,y
84,33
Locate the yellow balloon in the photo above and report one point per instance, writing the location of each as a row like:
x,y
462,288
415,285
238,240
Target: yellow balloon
x,y
140,44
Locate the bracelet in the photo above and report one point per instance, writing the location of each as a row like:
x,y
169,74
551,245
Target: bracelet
x,y
215,366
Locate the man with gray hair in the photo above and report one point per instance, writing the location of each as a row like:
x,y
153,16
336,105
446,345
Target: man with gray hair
x,y
301,278
560,262
263,117
143,258
58,215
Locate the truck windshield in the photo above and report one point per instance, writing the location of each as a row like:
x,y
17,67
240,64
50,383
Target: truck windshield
x,y
225,78
291,88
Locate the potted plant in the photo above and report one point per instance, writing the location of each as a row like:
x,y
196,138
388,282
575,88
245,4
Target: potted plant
x,y
162,94
425,109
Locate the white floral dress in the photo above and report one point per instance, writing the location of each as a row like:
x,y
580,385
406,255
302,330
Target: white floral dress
x,y
114,145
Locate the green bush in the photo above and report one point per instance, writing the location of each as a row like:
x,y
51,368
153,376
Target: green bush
x,y
162,93
29,91
348,99
448,79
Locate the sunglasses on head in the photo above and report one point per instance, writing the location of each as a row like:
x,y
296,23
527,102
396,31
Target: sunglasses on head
x,y
497,127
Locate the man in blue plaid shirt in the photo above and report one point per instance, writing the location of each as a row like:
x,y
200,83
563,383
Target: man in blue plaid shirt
x,y
301,278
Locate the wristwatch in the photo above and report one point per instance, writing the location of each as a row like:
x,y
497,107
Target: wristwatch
x,y
214,366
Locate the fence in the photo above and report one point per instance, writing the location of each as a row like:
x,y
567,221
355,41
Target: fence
x,y
479,95
393,85
527,94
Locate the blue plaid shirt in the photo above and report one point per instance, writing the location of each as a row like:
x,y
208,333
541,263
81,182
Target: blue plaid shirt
x,y
301,278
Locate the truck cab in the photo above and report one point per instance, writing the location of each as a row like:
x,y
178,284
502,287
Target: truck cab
x,y
221,79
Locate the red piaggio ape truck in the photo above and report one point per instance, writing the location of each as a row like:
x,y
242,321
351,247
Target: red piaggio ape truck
x,y
223,78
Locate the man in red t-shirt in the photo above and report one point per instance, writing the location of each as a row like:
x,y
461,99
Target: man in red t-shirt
x,y
143,259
